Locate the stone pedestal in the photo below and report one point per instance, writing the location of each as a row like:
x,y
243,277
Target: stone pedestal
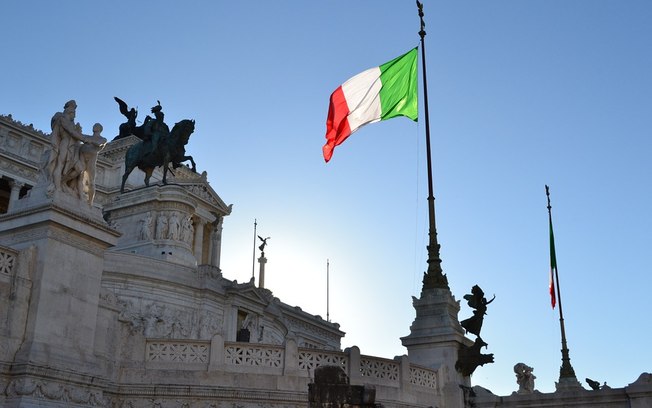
x,y
69,238
568,384
435,338
145,218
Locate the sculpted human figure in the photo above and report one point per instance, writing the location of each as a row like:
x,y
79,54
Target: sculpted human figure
x,y
88,156
264,244
65,133
154,129
477,301
161,226
173,226
187,230
524,378
129,127
83,160
146,227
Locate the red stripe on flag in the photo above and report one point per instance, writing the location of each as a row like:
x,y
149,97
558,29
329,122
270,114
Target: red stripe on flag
x,y
337,123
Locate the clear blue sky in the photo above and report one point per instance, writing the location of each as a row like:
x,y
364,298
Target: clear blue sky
x,y
522,94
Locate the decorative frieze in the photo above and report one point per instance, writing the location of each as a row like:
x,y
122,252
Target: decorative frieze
x,y
52,391
160,321
170,225
19,170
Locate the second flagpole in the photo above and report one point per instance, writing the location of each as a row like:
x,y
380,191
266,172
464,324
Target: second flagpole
x,y
567,377
434,277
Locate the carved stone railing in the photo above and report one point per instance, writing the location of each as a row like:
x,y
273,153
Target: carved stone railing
x,y
256,355
309,359
167,351
379,368
8,259
423,377
388,376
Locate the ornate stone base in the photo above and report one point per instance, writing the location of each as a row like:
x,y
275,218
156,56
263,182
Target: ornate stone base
x,y
568,384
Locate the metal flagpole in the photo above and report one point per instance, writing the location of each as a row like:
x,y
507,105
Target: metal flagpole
x,y
328,318
434,277
566,371
253,260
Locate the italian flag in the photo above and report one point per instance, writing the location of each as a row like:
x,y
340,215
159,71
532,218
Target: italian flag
x,y
553,266
376,94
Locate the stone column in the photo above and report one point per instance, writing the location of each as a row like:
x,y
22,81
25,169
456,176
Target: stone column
x,y
216,243
15,192
199,239
261,276
354,366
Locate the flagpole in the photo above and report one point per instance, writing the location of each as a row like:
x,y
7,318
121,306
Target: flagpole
x,y
253,259
566,372
434,277
328,316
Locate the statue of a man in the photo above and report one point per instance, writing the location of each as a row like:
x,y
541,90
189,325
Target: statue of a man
x,y
155,129
65,134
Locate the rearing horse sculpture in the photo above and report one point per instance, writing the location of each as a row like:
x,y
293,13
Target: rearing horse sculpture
x,y
170,150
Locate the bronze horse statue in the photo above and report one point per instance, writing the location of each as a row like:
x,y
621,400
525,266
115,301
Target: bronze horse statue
x,y
170,150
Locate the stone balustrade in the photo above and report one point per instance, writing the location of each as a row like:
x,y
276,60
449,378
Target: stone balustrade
x,y
254,358
7,261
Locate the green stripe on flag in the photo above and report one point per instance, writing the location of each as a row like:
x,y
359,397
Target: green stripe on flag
x,y
398,95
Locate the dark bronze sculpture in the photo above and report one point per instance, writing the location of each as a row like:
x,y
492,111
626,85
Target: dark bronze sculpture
x,y
595,385
129,127
159,147
153,130
263,245
470,357
477,301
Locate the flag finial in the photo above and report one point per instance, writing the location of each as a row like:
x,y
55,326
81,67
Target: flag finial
x,y
422,32
548,196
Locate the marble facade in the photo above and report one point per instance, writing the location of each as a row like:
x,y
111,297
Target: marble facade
x,y
118,300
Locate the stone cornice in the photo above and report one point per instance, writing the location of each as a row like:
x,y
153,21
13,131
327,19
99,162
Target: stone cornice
x,y
76,215
10,121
